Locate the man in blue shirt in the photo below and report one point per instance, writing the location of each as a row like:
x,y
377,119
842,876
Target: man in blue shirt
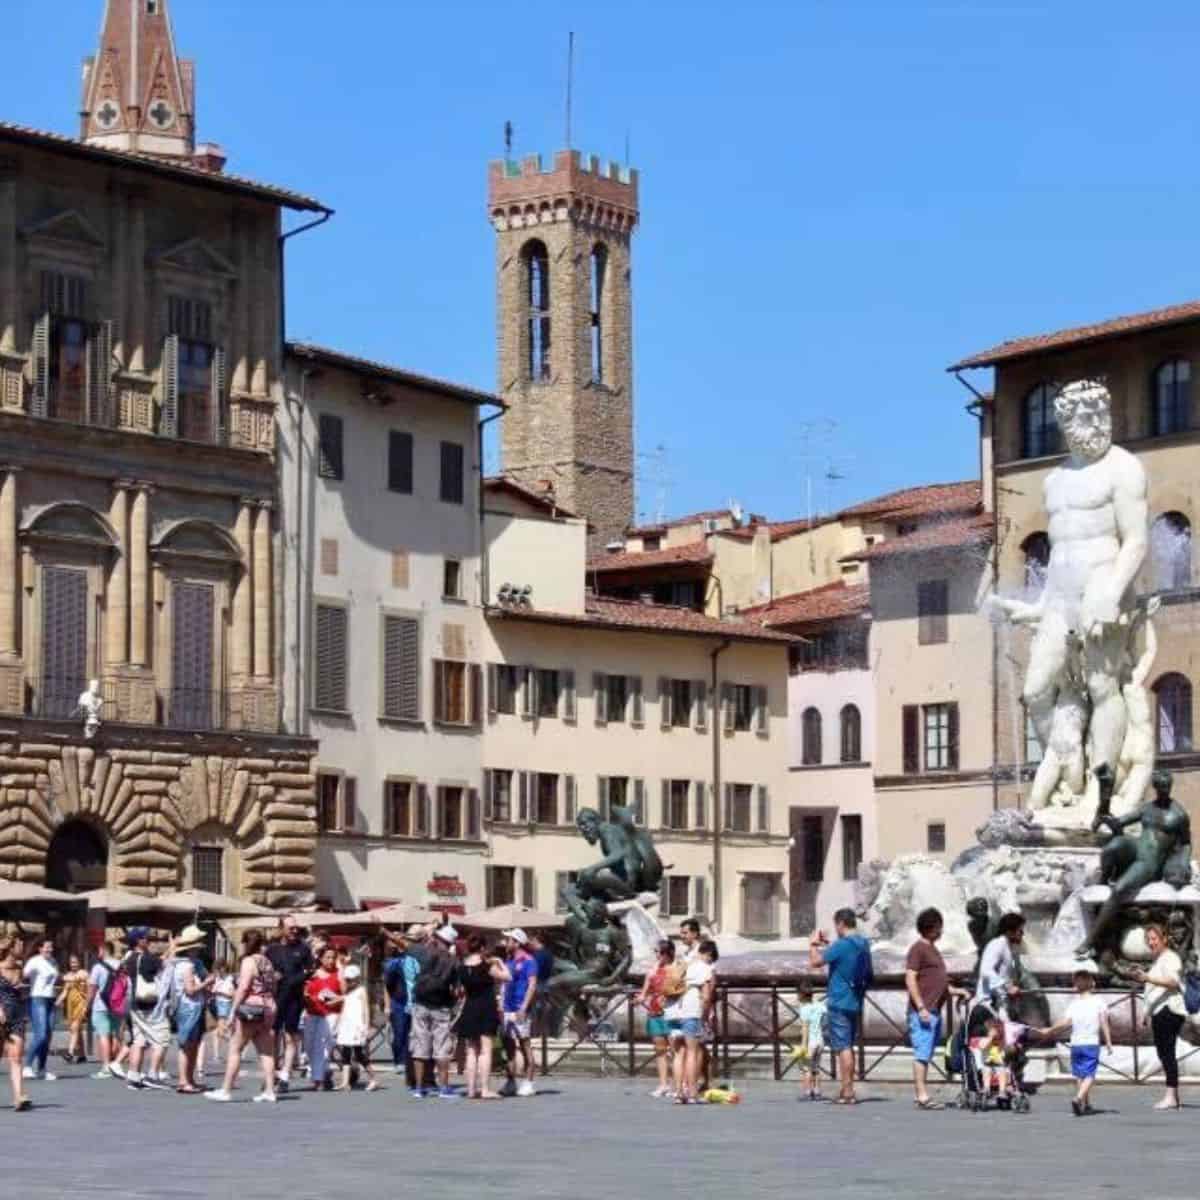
x,y
848,962
519,994
399,976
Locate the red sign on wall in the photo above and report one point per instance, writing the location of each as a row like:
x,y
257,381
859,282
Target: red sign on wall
x,y
446,886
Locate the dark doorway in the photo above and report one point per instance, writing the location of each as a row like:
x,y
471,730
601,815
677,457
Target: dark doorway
x,y
77,860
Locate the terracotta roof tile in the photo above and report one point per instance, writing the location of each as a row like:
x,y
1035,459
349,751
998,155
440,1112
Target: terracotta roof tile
x,y
958,532
603,612
828,603
1081,334
924,500
545,501
222,181
689,519
633,560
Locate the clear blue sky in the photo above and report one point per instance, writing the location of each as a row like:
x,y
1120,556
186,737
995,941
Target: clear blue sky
x,y
838,198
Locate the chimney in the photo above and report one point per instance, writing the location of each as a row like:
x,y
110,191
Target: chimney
x,y
210,157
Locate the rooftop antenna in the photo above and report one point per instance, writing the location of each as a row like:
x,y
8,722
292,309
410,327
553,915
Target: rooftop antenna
x,y
654,471
508,139
628,151
570,81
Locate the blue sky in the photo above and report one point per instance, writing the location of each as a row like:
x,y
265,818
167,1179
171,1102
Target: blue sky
x,y
838,199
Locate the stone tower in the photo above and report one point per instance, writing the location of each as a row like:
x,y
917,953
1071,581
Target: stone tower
x,y
138,94
566,332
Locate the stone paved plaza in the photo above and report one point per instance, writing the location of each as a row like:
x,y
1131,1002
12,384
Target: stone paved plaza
x,y
585,1138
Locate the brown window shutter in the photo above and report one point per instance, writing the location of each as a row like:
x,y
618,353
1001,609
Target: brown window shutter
x,y
401,668
493,684
572,803
569,701
473,825
664,703
349,803
476,697
762,712
729,806
523,797
439,690
100,374
330,463
701,693
169,420
638,706
528,887
489,887
400,462
423,824
602,796
952,722
727,706
666,804
600,697
764,809
329,685
701,816
911,720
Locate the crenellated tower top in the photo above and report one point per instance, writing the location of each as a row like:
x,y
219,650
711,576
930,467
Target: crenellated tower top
x,y
521,193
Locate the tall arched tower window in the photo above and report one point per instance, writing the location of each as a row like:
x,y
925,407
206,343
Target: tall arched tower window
x,y
1040,435
1173,397
1174,695
1171,552
537,272
851,734
599,270
810,738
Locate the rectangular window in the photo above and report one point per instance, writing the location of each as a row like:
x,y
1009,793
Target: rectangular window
x,y
935,837
501,886
679,895
677,809
329,447
192,701
852,845
830,650
401,668
68,370
398,797
64,640
400,462
208,869
743,707
548,691
933,605
195,419
760,909
650,544
911,723
740,803
813,839
1033,744
502,796
451,579
329,811
329,682
452,473
618,791
456,692
562,881
940,737
546,812
507,685
450,813
618,697
681,703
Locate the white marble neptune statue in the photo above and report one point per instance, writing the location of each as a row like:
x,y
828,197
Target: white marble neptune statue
x,y
1080,659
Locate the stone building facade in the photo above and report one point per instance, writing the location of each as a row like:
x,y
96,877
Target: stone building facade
x,y
140,371
565,332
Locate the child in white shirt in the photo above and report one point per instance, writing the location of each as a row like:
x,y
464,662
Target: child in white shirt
x,y
1087,1019
812,1020
354,1029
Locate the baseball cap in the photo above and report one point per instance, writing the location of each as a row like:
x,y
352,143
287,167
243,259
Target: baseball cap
x,y
139,933
415,932
448,934
518,935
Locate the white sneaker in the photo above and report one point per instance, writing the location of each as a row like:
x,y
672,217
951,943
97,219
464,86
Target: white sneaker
x,y
266,1098
29,1073
103,1073
525,1088
221,1096
118,1071
48,1077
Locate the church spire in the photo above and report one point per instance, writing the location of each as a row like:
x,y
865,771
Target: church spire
x,y
138,94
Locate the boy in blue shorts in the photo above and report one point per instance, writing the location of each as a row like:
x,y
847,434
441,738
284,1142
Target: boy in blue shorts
x,y
1087,1019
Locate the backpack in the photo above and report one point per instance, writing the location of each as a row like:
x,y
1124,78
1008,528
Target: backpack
x,y
1191,992
436,981
115,992
864,971
394,981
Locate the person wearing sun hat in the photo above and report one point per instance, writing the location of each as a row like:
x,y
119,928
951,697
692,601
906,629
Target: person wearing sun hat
x,y
187,991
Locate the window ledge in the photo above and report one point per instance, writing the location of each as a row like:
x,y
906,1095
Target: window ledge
x,y
401,722
410,839
318,711
459,600
455,726
831,766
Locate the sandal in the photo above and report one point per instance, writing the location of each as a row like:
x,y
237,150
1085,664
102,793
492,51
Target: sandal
x,y
848,1101
189,1091
929,1105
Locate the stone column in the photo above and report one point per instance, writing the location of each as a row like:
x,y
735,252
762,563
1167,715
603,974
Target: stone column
x,y
264,250
262,591
243,595
116,603
139,577
9,292
135,268
9,591
241,316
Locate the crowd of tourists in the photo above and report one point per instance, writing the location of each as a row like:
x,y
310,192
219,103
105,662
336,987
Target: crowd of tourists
x,y
303,1004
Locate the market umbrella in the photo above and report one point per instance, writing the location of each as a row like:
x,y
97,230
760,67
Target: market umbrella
x,y
403,914
211,904
511,916
29,900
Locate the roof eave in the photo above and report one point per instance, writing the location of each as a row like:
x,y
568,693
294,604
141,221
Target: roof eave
x,y
569,621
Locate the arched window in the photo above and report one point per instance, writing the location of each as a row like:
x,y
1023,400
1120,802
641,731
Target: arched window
x,y
1036,549
537,272
1174,696
851,734
1039,426
1173,397
1171,552
599,271
810,745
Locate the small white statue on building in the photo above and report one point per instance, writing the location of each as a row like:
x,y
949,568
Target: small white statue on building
x,y
90,704
1098,530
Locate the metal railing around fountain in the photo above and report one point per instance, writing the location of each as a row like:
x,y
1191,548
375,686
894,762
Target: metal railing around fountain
x,y
759,1024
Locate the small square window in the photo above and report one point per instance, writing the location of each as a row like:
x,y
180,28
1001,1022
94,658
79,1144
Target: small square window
x,y
935,838
452,579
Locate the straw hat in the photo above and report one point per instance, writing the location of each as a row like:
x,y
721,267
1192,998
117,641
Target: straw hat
x,y
190,938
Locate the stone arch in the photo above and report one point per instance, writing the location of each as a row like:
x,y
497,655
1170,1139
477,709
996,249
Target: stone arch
x,y
195,537
77,856
69,521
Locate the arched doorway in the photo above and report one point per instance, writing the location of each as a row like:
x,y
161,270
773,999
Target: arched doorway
x,y
77,860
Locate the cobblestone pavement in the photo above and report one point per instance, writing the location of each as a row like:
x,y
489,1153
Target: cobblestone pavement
x,y
583,1138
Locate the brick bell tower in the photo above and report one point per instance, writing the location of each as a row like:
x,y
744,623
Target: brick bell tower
x,y
138,94
565,316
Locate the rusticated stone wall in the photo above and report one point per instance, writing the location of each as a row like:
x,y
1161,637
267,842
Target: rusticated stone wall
x,y
152,795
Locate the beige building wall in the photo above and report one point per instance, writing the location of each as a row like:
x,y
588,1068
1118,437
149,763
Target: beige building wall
x,y
548,555
812,558
645,753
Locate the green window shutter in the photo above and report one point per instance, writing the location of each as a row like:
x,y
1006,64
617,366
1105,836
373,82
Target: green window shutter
x,y
727,706
701,897
523,797
40,400
666,804
489,887
528,690
729,806
169,420
493,682
64,639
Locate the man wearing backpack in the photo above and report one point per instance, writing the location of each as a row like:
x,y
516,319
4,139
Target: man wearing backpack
x,y
147,1016
108,1000
432,1010
400,973
848,962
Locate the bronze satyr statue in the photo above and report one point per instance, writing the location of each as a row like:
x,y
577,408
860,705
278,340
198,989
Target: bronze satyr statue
x,y
630,865
1162,851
